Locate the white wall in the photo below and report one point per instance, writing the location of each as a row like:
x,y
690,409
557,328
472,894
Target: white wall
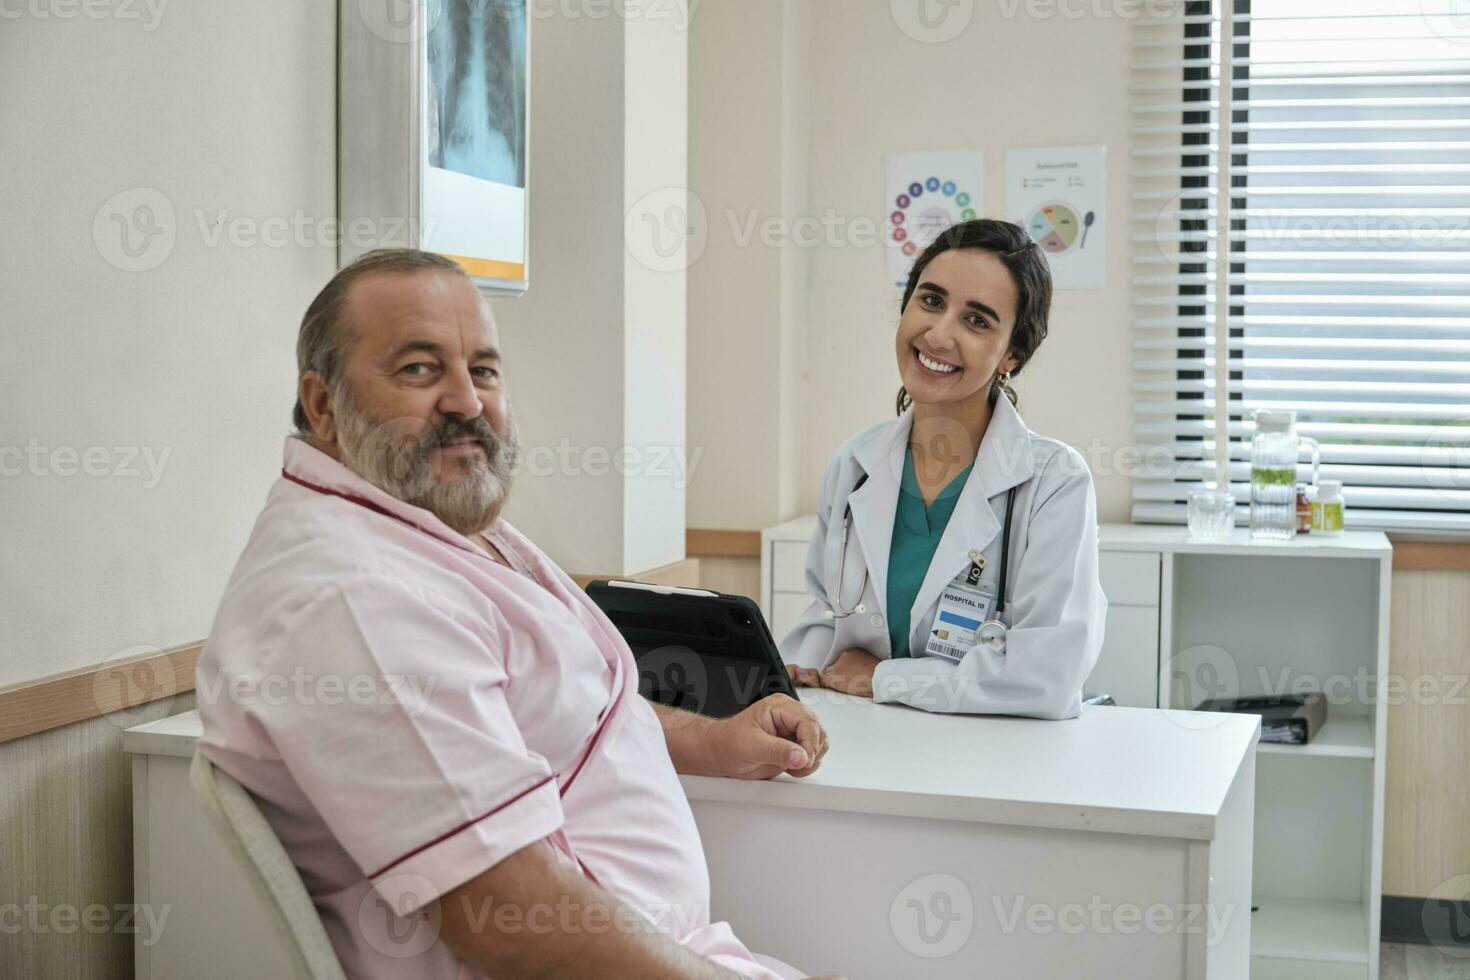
x,y
563,340
867,88
595,350
214,110
748,127
655,296
796,282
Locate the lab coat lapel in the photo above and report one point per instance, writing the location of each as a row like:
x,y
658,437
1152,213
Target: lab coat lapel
x,y
1004,461
875,505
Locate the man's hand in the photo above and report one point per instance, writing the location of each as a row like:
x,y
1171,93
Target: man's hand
x,y
775,735
770,737
852,673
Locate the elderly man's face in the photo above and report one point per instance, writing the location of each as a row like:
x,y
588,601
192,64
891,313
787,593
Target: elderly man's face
x,y
420,409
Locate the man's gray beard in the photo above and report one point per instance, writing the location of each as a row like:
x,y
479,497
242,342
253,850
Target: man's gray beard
x,y
402,465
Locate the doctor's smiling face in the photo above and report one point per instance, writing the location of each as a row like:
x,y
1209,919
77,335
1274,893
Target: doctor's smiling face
x,y
402,382
954,338
975,310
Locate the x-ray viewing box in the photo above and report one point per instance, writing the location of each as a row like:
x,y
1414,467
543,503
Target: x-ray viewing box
x,y
390,191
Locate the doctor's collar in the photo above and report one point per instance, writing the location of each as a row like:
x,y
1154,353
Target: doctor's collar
x,y
1004,459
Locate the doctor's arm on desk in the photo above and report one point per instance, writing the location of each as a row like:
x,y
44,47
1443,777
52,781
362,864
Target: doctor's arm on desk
x,y
1057,612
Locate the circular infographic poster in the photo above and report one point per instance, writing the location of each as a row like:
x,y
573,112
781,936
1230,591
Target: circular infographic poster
x,y
924,209
928,193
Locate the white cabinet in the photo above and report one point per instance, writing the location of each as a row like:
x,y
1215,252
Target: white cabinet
x,y
783,573
1128,666
788,566
1240,618
786,609
1129,578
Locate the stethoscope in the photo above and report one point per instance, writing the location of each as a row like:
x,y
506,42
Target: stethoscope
x,y
992,632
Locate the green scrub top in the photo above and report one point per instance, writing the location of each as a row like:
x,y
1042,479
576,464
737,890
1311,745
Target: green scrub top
x,y
916,534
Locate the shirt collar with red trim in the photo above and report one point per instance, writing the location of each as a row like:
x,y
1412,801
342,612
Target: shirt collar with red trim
x,y
309,466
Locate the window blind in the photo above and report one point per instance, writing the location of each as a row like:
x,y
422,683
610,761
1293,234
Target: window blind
x,y
1313,254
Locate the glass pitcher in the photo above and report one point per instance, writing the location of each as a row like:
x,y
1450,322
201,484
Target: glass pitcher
x,y
1274,454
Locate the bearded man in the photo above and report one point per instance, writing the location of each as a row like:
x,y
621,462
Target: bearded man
x,y
462,771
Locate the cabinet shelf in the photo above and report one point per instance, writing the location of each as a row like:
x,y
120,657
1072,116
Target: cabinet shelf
x,y
1343,737
1309,929
1274,969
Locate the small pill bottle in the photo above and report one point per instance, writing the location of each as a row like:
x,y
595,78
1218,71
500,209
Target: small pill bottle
x,y
1303,510
1329,510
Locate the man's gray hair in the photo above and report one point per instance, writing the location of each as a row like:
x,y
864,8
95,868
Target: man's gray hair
x,y
322,344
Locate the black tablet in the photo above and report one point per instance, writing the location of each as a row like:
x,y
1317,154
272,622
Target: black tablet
x,y
701,651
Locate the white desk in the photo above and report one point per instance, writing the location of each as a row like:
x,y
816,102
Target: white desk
x,y
925,846
1236,617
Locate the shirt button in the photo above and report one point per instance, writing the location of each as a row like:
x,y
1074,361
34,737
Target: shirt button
x,y
877,621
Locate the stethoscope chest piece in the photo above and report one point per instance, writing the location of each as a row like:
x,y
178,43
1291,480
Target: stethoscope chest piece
x,y
992,635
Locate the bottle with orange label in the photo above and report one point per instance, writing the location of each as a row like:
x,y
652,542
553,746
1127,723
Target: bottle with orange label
x,y
1303,510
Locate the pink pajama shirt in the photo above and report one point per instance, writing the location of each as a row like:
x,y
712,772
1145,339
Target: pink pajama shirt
x,y
409,712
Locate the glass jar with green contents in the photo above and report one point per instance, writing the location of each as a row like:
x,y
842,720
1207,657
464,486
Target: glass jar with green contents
x,y
1274,453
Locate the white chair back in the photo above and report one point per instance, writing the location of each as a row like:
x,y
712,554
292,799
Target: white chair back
x,y
266,863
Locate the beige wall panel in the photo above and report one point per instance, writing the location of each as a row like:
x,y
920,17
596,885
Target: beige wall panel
x,y
1427,804
66,828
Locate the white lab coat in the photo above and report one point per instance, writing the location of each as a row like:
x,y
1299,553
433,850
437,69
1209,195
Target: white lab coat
x,y
1055,608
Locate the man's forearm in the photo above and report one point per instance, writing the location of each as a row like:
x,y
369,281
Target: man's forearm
x,y
687,735
533,916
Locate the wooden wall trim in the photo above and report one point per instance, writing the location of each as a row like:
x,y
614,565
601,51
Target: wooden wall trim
x,y
1431,556
715,543
78,695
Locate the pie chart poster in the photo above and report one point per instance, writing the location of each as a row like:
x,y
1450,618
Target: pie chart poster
x,y
927,193
1058,195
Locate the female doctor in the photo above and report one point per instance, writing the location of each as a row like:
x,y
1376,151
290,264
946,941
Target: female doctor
x,y
954,565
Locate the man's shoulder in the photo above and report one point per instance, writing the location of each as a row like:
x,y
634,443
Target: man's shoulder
x,y
298,544
309,548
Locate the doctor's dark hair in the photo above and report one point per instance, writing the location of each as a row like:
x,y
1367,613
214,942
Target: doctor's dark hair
x,y
1027,264
322,344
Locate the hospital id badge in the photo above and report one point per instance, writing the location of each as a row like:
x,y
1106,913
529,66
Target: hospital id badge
x,y
964,604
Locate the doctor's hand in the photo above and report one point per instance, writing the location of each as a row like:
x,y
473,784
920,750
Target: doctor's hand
x,y
775,735
804,676
852,673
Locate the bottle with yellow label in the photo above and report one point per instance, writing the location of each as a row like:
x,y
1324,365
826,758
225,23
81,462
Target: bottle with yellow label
x,y
1329,510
